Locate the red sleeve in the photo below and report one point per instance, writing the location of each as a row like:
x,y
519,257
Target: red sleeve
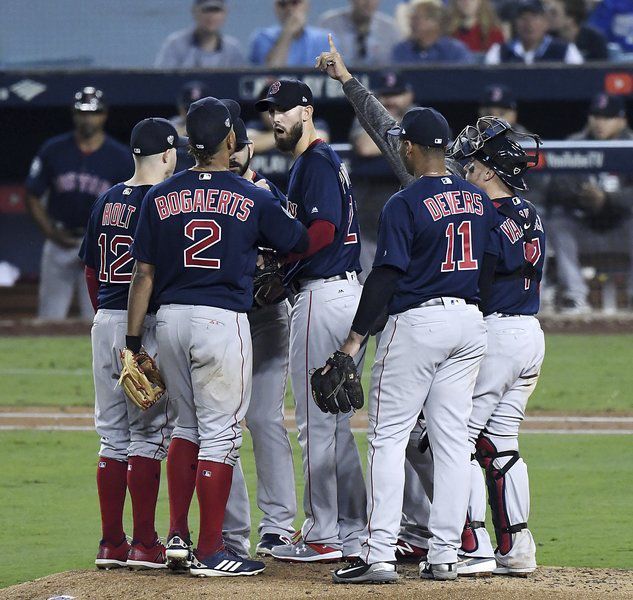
x,y
93,286
320,235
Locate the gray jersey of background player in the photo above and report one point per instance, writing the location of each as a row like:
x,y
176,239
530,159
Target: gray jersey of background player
x,y
270,334
68,174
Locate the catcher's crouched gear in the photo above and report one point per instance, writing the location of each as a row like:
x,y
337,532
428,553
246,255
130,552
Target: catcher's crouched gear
x,y
338,390
267,283
140,379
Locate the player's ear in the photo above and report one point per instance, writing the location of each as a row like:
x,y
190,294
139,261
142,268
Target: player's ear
x,y
308,111
231,141
165,156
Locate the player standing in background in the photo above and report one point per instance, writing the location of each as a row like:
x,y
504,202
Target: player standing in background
x,y
325,277
195,249
431,243
270,325
68,174
133,442
516,346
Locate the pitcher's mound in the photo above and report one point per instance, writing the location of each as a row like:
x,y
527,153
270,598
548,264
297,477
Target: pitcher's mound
x,y
314,581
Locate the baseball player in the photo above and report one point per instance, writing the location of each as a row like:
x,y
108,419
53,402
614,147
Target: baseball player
x,y
270,325
133,442
433,236
68,174
516,347
195,249
325,278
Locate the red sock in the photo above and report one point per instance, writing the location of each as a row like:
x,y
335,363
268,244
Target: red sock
x,y
143,481
111,486
182,465
213,485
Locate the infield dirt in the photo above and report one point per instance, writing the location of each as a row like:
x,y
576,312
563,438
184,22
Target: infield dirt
x,y
285,582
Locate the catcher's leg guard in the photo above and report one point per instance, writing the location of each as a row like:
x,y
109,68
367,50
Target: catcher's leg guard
x,y
508,489
475,539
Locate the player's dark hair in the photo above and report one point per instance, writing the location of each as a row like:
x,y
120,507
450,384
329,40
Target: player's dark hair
x,y
202,157
576,9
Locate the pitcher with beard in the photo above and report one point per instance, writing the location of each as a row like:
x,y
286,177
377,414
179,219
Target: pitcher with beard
x,y
325,280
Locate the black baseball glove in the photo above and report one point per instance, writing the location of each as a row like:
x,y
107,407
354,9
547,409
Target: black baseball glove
x,y
338,390
268,283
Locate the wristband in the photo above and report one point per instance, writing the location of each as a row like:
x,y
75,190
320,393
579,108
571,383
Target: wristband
x,y
133,343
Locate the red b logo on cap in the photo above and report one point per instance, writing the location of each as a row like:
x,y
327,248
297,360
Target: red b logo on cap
x,y
274,88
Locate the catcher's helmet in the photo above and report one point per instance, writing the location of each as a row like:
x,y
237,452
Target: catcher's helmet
x,y
493,142
89,99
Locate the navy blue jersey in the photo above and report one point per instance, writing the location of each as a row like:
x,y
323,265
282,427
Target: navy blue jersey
x,y
512,294
201,230
274,190
106,245
435,231
319,189
73,179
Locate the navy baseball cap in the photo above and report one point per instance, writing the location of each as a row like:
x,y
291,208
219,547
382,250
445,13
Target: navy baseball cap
x,y
498,95
208,123
153,136
392,84
89,99
241,135
233,108
192,91
605,105
533,6
286,94
423,126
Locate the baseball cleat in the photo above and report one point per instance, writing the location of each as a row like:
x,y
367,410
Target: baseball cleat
x,y
301,551
408,553
225,563
146,557
439,572
111,556
270,541
513,571
361,572
470,566
178,552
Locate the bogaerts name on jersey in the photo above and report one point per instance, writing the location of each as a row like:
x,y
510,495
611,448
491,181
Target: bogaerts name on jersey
x,y
454,202
204,201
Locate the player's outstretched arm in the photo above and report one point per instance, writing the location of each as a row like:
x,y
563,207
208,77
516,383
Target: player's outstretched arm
x,y
372,115
138,302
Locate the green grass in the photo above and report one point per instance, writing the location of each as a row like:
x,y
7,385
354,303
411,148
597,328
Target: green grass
x,y
581,492
581,374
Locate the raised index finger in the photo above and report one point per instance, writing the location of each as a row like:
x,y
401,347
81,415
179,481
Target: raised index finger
x,y
332,46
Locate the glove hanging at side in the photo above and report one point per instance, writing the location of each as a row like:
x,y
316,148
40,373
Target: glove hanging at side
x,y
140,378
338,390
267,283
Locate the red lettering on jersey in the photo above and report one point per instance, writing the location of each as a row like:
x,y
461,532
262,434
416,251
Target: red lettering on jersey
x,y
185,201
130,211
237,199
433,209
223,202
211,199
439,198
162,207
115,215
174,205
479,207
105,219
452,197
292,209
198,200
245,209
511,231
468,202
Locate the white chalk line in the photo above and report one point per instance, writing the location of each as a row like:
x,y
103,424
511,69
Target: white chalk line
x,y
30,371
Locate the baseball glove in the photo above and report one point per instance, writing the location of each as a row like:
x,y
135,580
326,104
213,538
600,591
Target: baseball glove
x,y
338,390
140,379
267,283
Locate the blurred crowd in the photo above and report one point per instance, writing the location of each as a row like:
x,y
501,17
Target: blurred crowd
x,y
420,31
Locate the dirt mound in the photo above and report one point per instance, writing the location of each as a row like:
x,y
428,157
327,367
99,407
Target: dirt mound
x,y
313,581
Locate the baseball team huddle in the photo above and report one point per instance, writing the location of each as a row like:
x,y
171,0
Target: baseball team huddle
x,y
211,286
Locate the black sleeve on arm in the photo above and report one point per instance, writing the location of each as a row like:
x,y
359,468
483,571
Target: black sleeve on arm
x,y
486,279
377,292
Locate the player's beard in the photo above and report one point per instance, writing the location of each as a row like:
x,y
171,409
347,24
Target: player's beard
x,y
238,167
86,130
289,140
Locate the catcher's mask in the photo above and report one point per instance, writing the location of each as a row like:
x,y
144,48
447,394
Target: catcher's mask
x,y
493,142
